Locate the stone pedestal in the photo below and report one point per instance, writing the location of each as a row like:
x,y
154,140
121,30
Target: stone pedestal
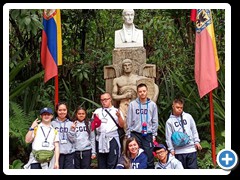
x,y
138,57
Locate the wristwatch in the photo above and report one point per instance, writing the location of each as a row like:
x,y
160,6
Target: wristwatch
x,y
31,129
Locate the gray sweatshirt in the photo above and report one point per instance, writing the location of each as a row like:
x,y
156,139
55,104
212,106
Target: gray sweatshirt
x,y
66,135
174,124
172,163
138,113
84,140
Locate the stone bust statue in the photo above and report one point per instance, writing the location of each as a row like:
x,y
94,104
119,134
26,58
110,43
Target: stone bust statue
x,y
128,36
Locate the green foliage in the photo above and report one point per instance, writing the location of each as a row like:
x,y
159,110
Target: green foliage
x,y
17,164
15,92
92,102
27,19
205,156
18,123
15,70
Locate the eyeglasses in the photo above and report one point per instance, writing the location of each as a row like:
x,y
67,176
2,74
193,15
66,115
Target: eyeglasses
x,y
160,152
106,99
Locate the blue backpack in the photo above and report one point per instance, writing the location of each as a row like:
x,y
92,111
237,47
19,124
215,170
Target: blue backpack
x,y
180,138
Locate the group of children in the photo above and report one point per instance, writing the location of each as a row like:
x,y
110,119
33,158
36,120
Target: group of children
x,y
72,141
61,143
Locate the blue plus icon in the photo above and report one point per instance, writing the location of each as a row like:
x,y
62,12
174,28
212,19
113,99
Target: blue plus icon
x,y
227,159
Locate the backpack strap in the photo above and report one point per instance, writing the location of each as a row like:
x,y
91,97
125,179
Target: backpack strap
x,y
55,133
35,131
182,123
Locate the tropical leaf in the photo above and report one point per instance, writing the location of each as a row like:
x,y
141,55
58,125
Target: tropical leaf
x,y
90,101
15,92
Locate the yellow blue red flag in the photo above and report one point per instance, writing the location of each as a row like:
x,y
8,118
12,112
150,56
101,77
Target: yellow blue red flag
x,y
206,58
51,49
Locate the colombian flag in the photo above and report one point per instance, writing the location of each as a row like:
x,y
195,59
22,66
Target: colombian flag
x,y
51,50
206,58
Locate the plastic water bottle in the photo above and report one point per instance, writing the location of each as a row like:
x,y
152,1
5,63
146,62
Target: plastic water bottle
x,y
144,129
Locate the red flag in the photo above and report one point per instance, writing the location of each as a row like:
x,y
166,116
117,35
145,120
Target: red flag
x,y
95,123
206,58
51,50
193,14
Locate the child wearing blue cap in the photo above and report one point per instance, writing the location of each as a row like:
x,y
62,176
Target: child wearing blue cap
x,y
45,142
166,160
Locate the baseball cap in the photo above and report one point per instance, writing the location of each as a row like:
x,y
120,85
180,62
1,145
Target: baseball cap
x,y
46,110
159,146
95,123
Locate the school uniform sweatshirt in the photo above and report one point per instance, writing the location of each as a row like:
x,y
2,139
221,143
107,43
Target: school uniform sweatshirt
x,y
66,135
174,124
139,162
138,113
83,139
